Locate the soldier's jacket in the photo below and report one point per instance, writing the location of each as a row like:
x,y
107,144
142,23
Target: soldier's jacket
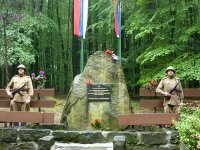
x,y
17,82
165,85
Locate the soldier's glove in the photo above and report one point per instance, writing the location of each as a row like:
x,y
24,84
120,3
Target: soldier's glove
x,y
167,94
10,94
27,101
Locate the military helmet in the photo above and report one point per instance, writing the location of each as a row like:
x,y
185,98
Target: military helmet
x,y
21,66
170,68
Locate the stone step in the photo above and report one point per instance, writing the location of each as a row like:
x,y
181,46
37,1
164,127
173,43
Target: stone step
x,y
78,146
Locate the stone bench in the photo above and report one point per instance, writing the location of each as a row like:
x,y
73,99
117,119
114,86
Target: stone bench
x,y
28,117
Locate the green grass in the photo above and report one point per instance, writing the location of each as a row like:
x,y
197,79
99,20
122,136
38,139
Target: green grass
x,y
59,105
135,104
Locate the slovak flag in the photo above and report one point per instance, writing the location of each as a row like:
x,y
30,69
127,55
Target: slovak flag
x,y
80,17
117,13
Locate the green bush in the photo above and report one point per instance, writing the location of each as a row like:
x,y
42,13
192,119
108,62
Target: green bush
x,y
189,126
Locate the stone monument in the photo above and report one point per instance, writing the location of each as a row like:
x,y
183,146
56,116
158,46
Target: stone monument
x,y
97,95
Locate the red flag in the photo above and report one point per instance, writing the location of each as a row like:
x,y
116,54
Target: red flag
x,y
117,14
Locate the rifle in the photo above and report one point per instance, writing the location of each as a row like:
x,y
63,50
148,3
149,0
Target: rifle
x,y
18,91
173,89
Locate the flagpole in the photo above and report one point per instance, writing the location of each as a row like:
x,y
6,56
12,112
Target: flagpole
x,y
82,56
119,48
82,44
119,39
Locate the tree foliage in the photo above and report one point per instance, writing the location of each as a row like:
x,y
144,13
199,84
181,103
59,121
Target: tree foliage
x,y
155,35
188,126
170,31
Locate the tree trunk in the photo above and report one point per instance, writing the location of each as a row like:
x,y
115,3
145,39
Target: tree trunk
x,y
5,49
69,49
33,8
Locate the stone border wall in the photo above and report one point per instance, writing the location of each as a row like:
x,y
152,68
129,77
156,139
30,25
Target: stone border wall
x,y
43,139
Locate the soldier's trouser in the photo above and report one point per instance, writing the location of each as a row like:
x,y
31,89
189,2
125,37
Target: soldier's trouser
x,y
19,106
171,108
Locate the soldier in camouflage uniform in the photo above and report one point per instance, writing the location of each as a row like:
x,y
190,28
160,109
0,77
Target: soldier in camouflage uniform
x,y
20,102
171,101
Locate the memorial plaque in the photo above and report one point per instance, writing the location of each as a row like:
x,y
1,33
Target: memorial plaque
x,y
99,92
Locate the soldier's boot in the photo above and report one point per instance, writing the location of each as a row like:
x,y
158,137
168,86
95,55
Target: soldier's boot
x,y
23,124
15,124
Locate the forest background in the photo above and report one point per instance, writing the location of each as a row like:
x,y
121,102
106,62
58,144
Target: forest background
x,y
155,35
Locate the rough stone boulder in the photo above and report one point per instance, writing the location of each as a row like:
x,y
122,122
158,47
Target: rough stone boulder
x,y
79,113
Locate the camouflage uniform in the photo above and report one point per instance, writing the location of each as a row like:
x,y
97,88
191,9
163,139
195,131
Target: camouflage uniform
x,y
172,103
18,103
